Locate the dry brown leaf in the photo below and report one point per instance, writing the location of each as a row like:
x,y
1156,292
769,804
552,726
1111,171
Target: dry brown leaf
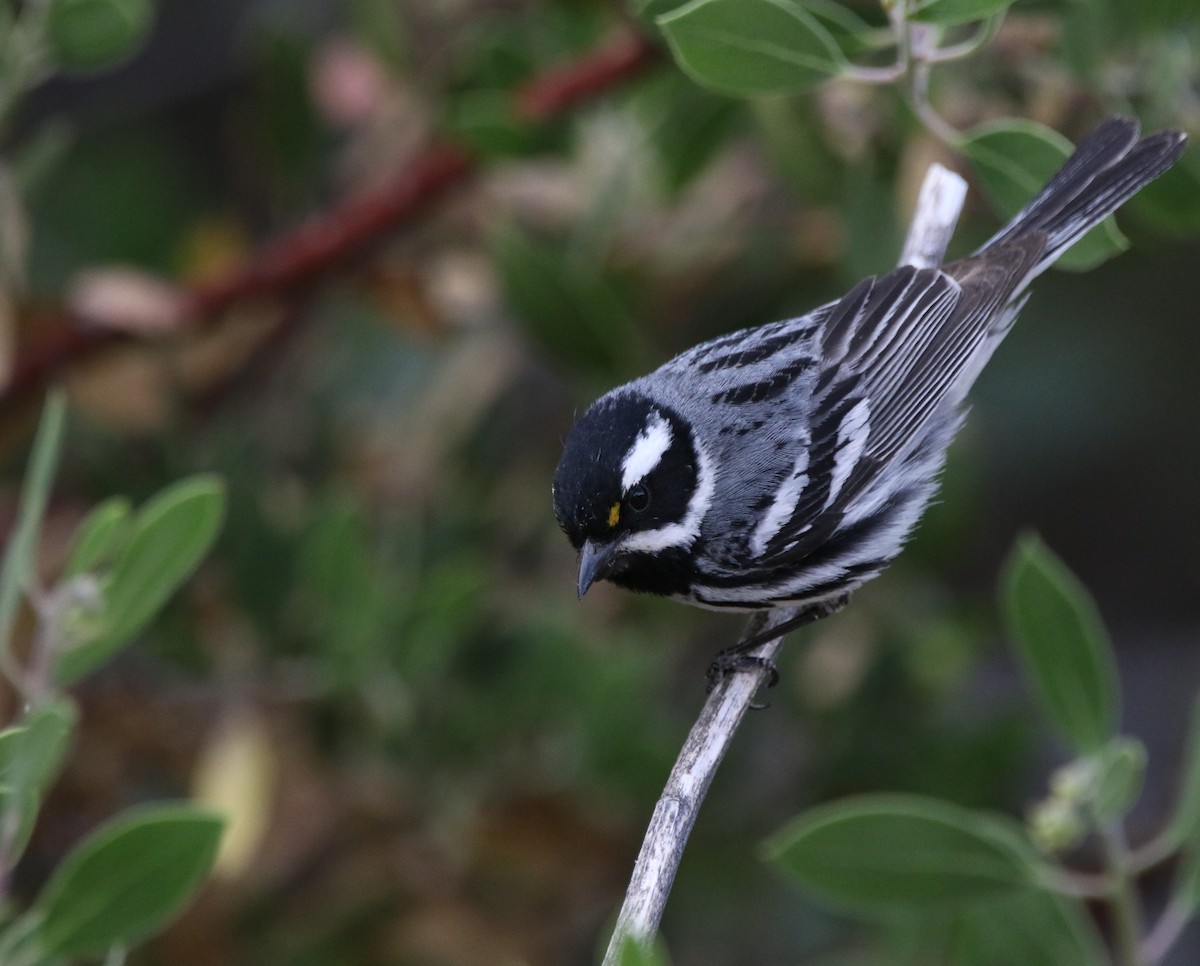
x,y
236,775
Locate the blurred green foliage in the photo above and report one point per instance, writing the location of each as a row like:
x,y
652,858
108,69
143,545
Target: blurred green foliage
x,y
132,876
95,34
969,887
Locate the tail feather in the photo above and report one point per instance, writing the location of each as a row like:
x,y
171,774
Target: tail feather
x,y
1107,169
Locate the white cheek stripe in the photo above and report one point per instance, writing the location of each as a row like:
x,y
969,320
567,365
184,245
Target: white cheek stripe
x,y
646,451
682,534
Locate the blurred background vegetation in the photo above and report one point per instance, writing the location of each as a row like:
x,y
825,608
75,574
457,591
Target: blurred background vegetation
x,y
434,754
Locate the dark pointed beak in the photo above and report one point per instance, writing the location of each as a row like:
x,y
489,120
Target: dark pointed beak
x,y
595,563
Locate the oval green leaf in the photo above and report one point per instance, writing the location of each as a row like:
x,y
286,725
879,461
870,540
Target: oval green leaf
x,y
850,33
19,811
634,953
31,756
883,855
545,284
689,125
1185,823
170,535
651,10
1120,773
950,13
751,47
484,121
1062,644
1186,887
100,536
88,35
35,493
128,879
1172,202
32,752
1033,928
1013,160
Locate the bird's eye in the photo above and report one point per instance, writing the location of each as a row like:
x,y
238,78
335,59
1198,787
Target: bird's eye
x,y
638,498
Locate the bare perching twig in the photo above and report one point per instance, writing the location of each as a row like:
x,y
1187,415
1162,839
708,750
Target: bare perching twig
x,y
938,206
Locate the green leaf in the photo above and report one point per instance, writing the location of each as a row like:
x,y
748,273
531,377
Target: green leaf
x,y
571,306
34,161
1186,889
485,121
788,130
1120,771
1013,160
1185,823
1172,202
31,756
18,811
89,35
634,953
128,879
1164,15
689,125
950,13
749,47
849,32
1062,643
651,10
1033,928
19,942
100,536
22,544
32,752
882,855
170,535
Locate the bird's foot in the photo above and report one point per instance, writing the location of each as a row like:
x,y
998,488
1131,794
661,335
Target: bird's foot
x,y
734,661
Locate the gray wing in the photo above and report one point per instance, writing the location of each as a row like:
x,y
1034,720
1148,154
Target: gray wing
x,y
895,353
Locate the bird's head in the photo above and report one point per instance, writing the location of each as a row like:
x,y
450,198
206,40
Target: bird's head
x,y
630,491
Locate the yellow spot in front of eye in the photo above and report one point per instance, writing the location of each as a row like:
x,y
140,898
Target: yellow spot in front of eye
x,y
614,514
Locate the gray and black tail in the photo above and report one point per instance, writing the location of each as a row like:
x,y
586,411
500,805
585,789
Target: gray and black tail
x,y
1109,167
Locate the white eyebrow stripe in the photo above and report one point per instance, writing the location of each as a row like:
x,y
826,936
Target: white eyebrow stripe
x,y
680,535
646,451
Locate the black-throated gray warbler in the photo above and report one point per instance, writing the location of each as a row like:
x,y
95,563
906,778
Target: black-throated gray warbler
x,y
787,464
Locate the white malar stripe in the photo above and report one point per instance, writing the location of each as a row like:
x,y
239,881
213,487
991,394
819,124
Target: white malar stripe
x,y
784,505
646,451
681,534
852,440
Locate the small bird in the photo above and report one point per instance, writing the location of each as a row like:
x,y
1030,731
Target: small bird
x,y
787,464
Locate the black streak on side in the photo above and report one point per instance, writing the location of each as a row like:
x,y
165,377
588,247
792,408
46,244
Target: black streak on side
x,y
746,357
756,392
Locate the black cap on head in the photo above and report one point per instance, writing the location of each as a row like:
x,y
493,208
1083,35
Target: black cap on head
x,y
627,465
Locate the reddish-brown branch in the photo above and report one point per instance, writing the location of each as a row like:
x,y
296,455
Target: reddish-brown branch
x,y
60,345
561,88
325,243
